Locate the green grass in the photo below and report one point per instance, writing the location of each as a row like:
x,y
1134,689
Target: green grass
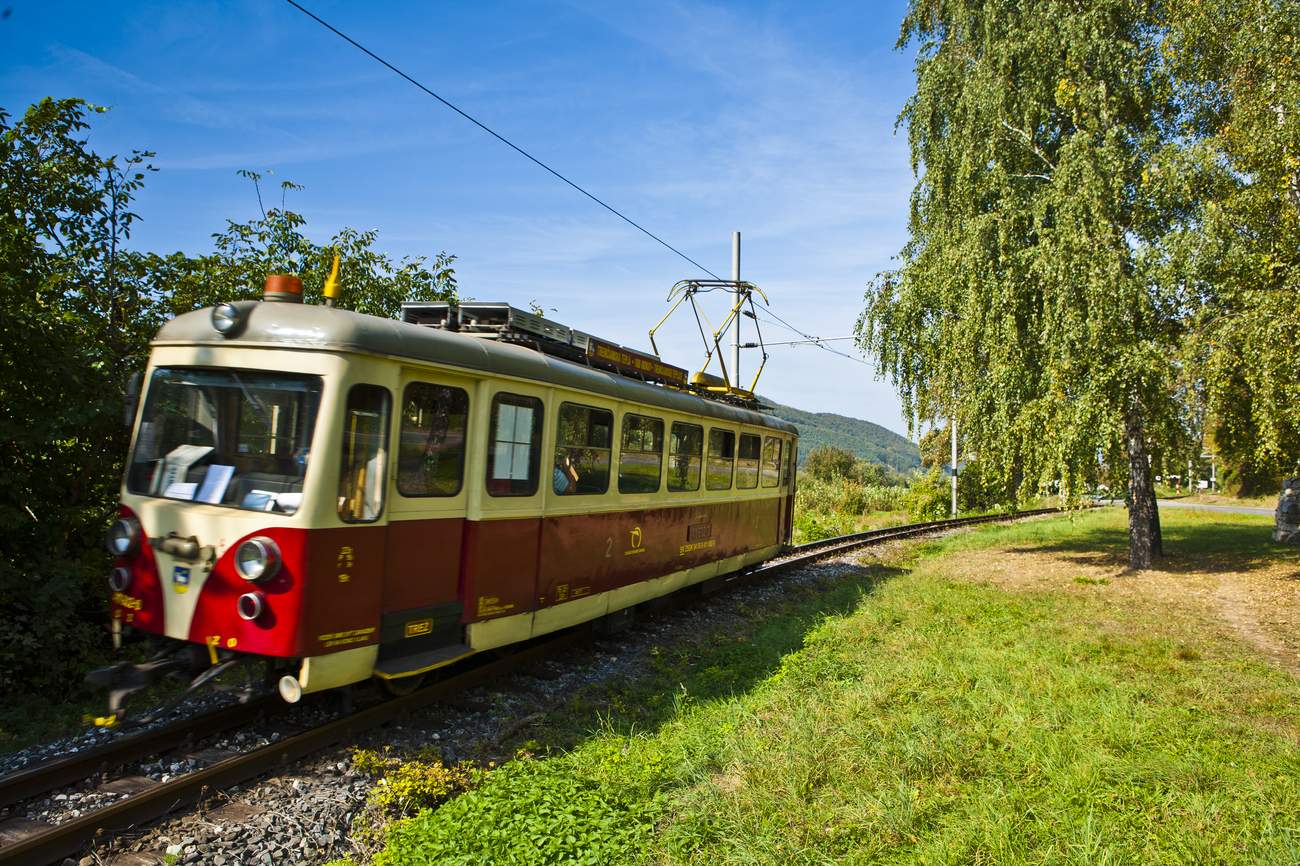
x,y
902,716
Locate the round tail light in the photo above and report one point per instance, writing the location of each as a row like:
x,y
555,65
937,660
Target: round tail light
x,y
119,579
257,559
250,605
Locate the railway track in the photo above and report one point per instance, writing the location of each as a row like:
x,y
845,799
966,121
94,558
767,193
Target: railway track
x,y
153,800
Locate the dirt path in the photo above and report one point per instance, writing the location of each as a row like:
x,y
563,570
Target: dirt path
x,y
1255,601
1239,610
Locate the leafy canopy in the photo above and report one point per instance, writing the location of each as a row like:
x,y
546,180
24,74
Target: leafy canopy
x,y
1027,302
80,306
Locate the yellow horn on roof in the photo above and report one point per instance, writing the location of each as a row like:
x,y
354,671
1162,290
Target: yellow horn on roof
x,y
332,283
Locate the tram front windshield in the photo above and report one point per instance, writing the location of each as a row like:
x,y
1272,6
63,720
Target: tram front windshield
x,y
238,438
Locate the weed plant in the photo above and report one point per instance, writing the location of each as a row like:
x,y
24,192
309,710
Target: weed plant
x,y
825,508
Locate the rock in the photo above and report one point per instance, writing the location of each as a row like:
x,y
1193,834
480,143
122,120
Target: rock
x,y
1287,516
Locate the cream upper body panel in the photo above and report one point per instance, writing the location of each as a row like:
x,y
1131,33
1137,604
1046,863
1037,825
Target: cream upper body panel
x,y
347,348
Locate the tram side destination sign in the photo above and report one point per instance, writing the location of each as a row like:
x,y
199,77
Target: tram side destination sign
x,y
633,362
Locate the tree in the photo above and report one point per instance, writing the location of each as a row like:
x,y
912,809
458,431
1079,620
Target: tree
x,y
79,309
1028,303
936,447
1238,63
67,333
246,252
828,462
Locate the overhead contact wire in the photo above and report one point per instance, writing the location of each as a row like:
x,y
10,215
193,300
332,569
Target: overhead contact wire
x,y
819,342
498,136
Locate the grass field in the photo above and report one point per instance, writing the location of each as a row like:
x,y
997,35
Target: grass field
x,y
1006,695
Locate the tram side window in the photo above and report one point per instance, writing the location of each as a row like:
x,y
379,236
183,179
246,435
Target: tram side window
x,y
747,461
365,439
685,448
642,454
515,451
431,450
583,439
785,464
771,461
722,454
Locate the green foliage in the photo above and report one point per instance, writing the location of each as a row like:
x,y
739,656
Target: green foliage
x,y
827,462
830,462
835,506
1105,240
370,281
79,309
864,439
1029,304
529,812
69,333
936,447
1239,64
929,496
404,786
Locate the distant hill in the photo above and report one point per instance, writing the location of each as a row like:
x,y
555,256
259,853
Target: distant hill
x,y
863,438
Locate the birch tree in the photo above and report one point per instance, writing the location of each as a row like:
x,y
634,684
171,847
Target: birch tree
x,y
1238,64
1029,302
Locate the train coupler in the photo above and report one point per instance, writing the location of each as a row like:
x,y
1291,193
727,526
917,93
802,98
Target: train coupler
x,y
124,679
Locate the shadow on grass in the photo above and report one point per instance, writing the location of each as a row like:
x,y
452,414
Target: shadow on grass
x,y
1190,548
749,636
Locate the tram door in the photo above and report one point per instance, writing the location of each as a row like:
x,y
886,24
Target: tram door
x,y
421,606
502,542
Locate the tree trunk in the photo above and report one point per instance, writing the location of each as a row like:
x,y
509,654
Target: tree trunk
x,y
1144,542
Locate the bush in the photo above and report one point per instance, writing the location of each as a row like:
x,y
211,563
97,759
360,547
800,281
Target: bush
x,y
528,812
929,497
826,508
403,787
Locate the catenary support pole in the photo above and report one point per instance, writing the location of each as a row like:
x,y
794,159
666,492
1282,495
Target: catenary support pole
x,y
735,334
954,467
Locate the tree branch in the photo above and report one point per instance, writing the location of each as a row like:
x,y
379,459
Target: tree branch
x,y
1029,143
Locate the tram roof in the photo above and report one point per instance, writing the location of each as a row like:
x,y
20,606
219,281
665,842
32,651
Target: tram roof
x,y
320,328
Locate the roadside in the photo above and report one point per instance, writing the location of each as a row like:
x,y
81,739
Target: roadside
x,y
1206,497
1006,695
1213,506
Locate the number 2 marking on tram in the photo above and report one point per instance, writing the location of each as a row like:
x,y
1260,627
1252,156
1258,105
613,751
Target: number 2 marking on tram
x,y
609,547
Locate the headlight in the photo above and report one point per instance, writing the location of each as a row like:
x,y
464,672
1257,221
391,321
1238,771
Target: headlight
x,y
124,536
226,319
250,606
257,559
119,579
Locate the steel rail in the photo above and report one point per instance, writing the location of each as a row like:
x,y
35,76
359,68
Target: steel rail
x,y
39,778
68,838
919,528
804,554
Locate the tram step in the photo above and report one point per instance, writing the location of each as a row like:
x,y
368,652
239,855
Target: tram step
x,y
420,662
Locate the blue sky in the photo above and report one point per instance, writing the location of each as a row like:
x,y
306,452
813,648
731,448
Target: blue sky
x,y
696,119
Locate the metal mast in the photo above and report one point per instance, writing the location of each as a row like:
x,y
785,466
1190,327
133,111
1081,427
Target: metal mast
x,y
954,465
735,338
